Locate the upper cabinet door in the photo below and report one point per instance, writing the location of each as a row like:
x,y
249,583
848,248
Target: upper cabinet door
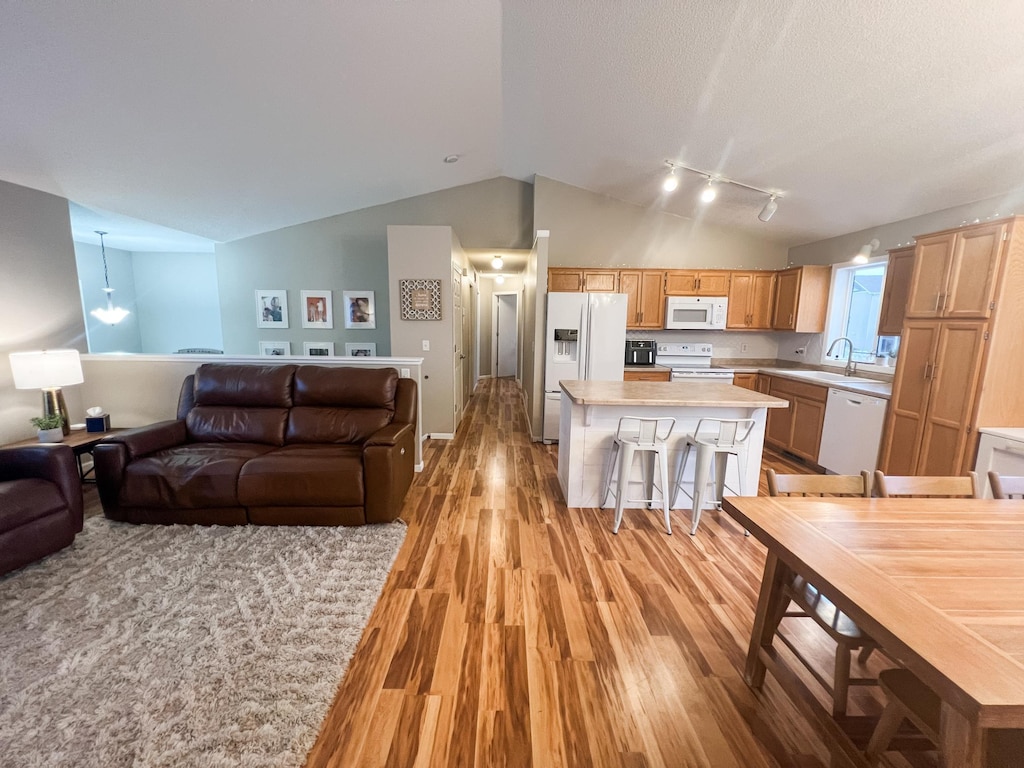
x,y
629,284
565,280
652,299
955,273
740,289
762,291
787,291
600,280
972,280
898,274
681,282
713,283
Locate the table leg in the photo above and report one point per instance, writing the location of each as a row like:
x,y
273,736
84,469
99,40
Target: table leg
x,y
963,742
769,606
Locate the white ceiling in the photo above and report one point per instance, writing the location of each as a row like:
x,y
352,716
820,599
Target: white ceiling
x,y
229,118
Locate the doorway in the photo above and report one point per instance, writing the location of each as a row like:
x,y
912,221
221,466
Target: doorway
x,y
506,334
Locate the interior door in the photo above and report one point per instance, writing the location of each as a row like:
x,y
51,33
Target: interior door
x,y
506,333
458,351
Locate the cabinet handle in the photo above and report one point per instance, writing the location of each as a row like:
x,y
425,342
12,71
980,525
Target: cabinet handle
x,y
697,284
791,318
1012,448
927,366
937,297
935,371
944,297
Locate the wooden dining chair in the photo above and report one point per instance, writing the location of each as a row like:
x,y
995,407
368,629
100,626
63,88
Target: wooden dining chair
x,y
812,603
963,486
1006,487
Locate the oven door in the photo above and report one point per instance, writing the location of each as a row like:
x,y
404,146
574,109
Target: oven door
x,y
721,377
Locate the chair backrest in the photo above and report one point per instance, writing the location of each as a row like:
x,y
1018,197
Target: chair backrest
x,y
644,432
964,487
819,485
725,433
1006,487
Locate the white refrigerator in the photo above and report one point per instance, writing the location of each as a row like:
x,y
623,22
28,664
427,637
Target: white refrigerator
x,y
585,339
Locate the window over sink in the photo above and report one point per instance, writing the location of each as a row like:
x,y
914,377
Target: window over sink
x,y
854,307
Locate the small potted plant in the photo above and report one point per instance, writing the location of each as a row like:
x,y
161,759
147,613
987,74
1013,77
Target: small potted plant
x,y
50,426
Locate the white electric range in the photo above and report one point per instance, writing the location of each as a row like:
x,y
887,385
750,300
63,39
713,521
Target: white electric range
x,y
690,360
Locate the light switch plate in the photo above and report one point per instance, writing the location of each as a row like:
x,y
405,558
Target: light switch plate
x,y
426,345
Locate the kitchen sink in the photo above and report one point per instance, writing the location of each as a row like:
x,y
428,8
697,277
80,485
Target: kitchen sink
x,y
826,376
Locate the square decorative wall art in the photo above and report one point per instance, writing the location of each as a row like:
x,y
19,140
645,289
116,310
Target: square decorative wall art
x,y
420,299
359,310
275,348
361,349
317,309
318,348
271,308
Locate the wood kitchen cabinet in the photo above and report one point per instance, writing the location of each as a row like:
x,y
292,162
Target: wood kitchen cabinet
x,y
573,280
652,374
691,282
898,273
797,429
932,397
750,300
955,272
745,380
801,299
646,303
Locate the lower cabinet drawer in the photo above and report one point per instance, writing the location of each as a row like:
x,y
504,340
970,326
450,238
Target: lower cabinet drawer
x,y
665,375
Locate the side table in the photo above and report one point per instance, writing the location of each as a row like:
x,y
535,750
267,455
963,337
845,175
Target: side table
x,y
81,442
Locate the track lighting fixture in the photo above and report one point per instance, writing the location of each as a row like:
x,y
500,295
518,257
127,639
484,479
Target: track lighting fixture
x,y
497,262
709,192
865,252
769,209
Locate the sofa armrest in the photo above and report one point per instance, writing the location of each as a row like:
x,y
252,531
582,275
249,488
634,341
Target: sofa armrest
x,y
55,463
142,441
113,454
389,462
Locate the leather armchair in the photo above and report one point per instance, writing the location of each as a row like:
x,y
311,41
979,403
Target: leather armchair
x,y
40,503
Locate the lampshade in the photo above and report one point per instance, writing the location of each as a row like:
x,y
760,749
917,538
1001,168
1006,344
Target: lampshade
x,y
47,369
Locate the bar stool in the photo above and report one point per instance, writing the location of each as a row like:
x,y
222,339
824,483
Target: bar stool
x,y
644,436
711,438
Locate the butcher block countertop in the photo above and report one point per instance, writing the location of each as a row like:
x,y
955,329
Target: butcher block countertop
x,y
668,394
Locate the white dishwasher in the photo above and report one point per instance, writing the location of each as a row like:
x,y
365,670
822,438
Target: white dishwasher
x,y
852,432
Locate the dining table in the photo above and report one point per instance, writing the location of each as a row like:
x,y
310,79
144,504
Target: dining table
x,y
938,583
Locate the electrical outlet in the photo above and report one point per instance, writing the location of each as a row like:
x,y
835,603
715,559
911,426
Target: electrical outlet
x,y
426,345
801,350
405,373
743,347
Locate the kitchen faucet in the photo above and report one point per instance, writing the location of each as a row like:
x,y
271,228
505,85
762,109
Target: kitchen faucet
x,y
851,366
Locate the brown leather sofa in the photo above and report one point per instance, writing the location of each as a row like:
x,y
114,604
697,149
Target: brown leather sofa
x,y
40,503
268,445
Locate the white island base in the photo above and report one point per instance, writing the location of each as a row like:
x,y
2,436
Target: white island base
x,y
590,414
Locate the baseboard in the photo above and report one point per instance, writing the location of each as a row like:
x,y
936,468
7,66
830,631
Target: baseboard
x,y
441,435
418,467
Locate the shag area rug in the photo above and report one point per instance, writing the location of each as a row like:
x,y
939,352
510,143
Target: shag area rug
x,y
182,645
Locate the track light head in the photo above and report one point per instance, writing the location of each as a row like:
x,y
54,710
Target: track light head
x,y
709,193
865,252
671,182
769,209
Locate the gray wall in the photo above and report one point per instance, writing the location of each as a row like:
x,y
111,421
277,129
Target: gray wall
x,y
350,251
488,289
177,300
42,305
592,230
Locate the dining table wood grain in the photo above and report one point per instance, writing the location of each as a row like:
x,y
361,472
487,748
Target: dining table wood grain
x,y
939,583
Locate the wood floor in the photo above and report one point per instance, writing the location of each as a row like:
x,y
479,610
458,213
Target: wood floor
x,y
516,632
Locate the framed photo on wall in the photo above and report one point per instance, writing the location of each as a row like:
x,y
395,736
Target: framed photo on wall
x,y
271,308
317,309
359,310
275,348
318,348
361,349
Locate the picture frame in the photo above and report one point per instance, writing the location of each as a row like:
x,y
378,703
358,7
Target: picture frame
x,y
317,309
359,309
420,299
318,348
271,308
360,349
275,348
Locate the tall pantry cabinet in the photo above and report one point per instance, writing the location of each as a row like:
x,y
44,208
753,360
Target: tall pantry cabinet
x,y
962,345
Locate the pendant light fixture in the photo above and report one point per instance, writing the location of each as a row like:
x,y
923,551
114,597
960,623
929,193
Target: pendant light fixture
x,y
110,314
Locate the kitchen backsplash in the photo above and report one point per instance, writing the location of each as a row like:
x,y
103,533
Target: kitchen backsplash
x,y
744,344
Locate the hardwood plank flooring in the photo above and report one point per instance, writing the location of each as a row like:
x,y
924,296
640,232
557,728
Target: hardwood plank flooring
x,y
515,632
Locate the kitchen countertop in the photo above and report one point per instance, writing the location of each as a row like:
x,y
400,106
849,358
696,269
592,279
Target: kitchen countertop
x,y
668,393
860,384
646,368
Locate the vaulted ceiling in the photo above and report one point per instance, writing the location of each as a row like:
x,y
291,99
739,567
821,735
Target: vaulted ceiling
x,y
229,118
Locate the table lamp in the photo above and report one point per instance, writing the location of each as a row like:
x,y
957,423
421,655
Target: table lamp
x,y
48,370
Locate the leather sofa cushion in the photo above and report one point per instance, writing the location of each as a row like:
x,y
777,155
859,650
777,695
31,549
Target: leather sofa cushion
x,y
317,385
193,475
246,386
22,501
304,475
335,425
236,425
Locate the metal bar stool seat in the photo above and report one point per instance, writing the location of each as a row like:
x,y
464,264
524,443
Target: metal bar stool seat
x,y
711,438
647,437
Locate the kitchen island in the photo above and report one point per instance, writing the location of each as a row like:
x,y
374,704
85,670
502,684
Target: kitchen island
x,y
590,414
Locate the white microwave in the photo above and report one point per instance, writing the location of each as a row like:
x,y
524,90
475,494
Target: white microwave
x,y
695,313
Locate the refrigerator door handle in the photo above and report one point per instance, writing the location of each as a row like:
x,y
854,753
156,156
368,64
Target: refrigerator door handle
x,y
584,342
